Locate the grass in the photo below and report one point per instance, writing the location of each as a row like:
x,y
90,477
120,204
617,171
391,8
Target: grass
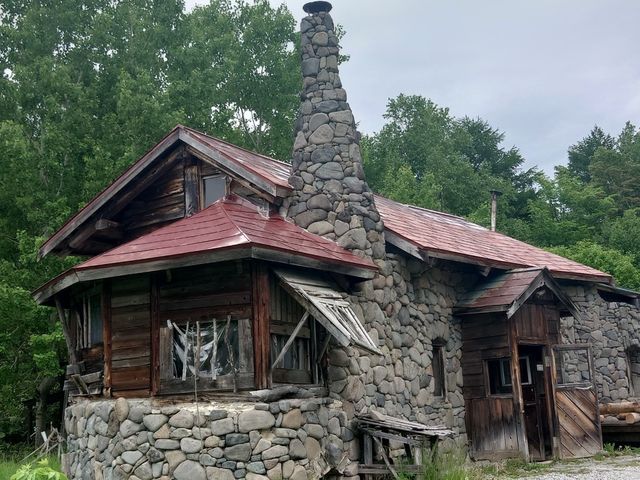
x,y
444,465
9,464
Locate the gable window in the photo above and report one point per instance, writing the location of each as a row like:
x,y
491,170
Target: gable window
x,y
437,365
214,187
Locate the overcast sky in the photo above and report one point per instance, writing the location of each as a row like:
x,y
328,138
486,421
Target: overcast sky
x,y
542,71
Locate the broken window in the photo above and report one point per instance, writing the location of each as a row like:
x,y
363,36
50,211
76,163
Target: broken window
x,y
211,348
499,373
214,188
437,364
215,352
89,320
286,317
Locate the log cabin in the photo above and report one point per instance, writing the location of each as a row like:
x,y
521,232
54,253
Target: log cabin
x,y
238,316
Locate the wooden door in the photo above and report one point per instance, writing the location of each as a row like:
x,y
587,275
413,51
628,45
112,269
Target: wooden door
x,y
576,402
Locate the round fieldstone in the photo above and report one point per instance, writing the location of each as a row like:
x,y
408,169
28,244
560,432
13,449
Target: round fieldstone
x,y
190,470
154,422
182,419
255,420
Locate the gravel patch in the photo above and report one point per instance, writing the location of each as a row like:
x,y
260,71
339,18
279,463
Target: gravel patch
x,y
617,468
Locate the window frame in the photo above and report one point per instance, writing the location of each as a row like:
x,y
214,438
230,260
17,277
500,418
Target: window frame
x,y
438,348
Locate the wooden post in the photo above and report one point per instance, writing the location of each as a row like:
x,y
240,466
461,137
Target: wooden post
x,y
64,320
191,186
106,336
261,328
155,336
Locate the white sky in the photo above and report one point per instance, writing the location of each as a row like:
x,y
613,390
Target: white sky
x,y
542,71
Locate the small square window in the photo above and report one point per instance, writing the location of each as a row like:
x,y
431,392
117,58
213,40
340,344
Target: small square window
x,y
214,188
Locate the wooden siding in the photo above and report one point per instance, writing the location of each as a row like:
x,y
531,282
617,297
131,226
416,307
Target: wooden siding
x,y
158,205
495,433
483,337
130,334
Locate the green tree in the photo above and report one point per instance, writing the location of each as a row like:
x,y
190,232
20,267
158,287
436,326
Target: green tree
x,y
608,260
581,153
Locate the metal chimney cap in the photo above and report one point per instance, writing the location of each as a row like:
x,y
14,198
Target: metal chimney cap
x,y
317,7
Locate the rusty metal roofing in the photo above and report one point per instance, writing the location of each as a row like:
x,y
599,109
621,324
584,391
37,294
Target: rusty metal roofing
x,y
223,231
446,236
230,222
430,232
268,168
507,291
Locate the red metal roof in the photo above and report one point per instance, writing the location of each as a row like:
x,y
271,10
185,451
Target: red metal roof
x,y
448,236
268,168
231,222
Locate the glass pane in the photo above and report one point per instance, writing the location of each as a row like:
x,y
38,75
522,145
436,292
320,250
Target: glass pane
x,y
572,366
95,317
214,188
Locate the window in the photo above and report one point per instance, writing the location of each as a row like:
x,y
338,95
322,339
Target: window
x,y
211,347
89,326
214,188
298,364
499,371
633,361
437,364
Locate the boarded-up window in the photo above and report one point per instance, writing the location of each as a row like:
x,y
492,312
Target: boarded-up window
x,y
439,388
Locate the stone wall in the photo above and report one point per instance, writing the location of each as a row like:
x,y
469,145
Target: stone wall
x,y
145,439
405,318
611,328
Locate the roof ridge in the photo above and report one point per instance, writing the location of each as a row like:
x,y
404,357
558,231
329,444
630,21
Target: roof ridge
x,y
233,199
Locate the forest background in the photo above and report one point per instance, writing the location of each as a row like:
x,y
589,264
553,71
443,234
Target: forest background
x,y
88,86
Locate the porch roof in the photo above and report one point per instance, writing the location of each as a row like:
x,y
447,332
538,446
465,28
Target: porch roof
x,y
508,291
230,228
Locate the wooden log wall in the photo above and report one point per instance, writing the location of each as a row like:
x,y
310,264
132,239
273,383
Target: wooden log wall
x,y
158,205
130,336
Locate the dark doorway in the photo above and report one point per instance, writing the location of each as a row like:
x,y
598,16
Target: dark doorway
x,y
534,396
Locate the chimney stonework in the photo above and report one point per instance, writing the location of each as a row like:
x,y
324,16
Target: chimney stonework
x,y
331,197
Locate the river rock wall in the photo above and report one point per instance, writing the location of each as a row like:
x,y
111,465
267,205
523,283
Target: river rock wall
x,y
144,440
613,330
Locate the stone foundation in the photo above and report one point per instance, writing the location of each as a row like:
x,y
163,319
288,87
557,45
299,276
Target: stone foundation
x,y
146,439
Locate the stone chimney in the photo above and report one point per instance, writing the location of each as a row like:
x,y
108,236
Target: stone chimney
x,y
330,194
